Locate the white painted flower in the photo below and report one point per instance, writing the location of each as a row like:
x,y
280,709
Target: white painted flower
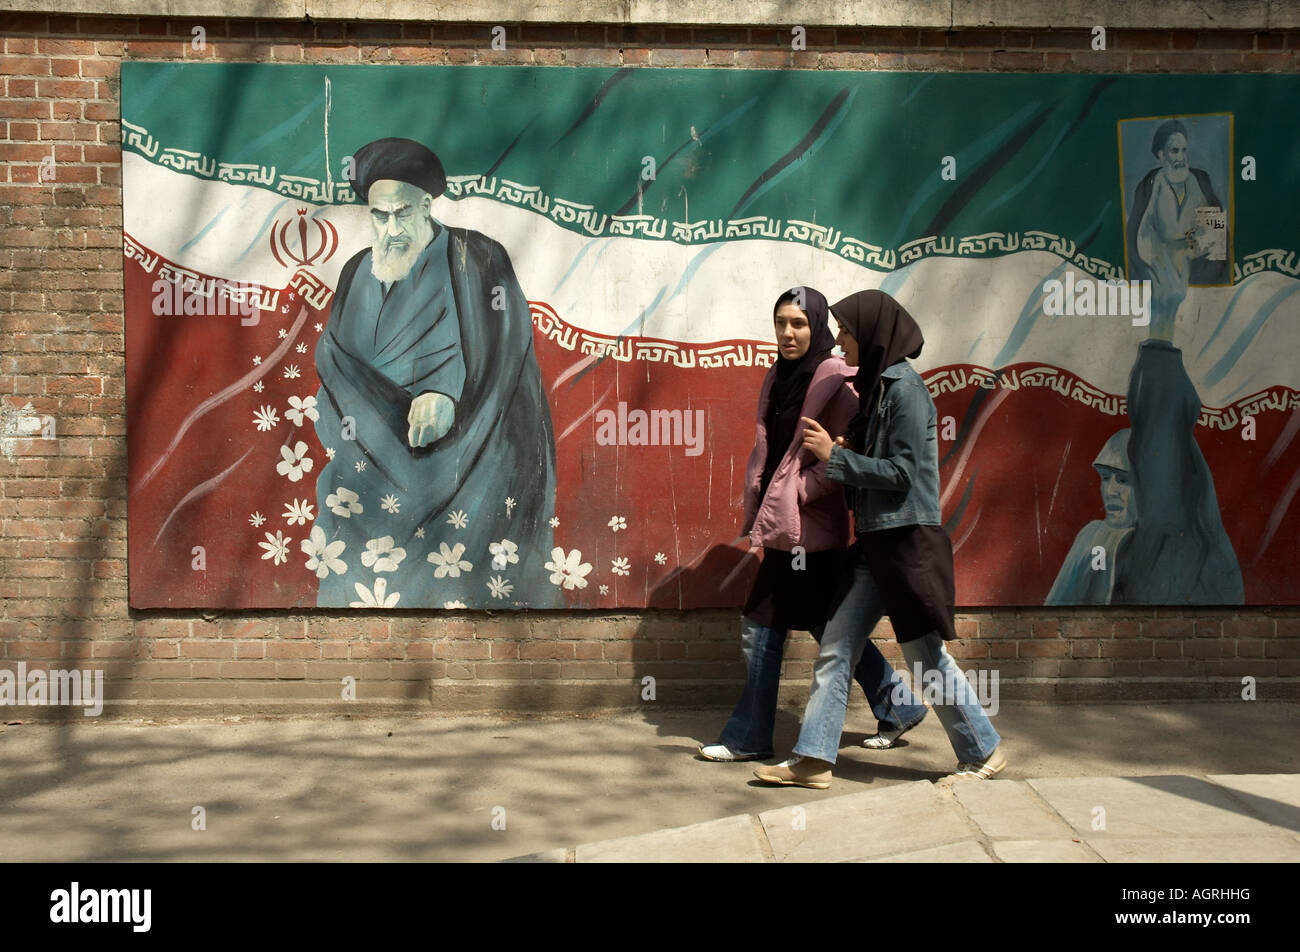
x,y
500,587
344,503
329,452
299,512
300,407
301,348
382,555
448,560
619,566
661,558
361,466
504,553
319,327
453,605
604,590
265,418
376,599
256,519
257,361
555,522
568,569
277,547
322,556
291,372
390,504
616,523
419,533
295,462
259,387
283,333
458,519
510,505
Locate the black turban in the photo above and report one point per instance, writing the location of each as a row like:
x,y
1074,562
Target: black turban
x,y
402,160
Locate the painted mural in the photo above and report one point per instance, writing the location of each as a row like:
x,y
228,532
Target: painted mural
x,y
492,337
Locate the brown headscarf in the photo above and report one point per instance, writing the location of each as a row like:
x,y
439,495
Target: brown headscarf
x,y
885,333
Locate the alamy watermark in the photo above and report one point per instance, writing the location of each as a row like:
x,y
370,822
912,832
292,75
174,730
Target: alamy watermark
x,y
74,904
936,689
651,428
217,298
54,688
1092,297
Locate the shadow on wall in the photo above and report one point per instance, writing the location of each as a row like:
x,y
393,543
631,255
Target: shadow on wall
x,y
694,657
725,573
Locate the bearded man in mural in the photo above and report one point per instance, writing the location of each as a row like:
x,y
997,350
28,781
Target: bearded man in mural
x,y
440,485
1167,245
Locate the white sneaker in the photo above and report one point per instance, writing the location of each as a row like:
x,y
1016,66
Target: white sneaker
x,y
724,754
985,769
884,740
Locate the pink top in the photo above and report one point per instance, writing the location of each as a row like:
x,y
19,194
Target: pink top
x,y
801,506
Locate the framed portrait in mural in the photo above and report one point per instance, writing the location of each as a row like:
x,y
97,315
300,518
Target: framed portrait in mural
x,y
1177,181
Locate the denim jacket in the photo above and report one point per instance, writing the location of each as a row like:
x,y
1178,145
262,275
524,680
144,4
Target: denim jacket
x,y
897,483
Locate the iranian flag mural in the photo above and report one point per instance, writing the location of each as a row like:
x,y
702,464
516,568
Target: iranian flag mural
x,y
493,337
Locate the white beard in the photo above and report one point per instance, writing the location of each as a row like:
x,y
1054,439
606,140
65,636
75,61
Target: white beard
x,y
392,266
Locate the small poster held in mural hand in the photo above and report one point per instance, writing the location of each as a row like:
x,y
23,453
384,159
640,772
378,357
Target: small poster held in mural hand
x,y
1212,231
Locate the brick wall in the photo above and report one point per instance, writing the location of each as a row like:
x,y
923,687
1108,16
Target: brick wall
x,y
63,502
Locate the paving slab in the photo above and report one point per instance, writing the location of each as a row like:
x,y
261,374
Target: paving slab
x,y
1275,797
1043,851
966,851
1149,806
548,856
1197,849
1007,809
729,840
897,819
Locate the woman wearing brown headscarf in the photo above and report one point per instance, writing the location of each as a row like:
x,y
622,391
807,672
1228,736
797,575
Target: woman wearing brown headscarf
x,y
888,457
800,520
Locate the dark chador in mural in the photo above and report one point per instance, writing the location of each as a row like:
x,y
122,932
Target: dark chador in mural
x,y
1162,540
441,470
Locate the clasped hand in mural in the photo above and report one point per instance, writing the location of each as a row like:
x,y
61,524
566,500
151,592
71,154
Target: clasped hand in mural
x,y
431,416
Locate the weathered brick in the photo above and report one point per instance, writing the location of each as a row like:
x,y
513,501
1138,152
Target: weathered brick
x,y
207,649
588,670
502,670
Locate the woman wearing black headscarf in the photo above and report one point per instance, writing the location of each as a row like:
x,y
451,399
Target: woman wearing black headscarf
x,y
801,520
902,561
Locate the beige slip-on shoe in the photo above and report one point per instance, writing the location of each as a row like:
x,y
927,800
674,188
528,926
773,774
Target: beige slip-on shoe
x,y
797,772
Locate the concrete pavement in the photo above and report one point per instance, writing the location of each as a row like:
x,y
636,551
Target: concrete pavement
x,y
1195,776
1222,818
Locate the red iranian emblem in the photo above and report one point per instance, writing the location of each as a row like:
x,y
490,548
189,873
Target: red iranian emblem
x,y
324,250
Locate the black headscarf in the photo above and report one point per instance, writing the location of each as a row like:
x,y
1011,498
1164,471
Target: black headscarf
x,y
793,376
885,334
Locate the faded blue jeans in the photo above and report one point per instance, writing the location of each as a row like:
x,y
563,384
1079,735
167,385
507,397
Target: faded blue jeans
x,y
846,639
968,728
847,651
749,730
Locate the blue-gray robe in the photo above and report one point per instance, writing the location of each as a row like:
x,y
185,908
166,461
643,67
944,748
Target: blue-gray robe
x,y
490,478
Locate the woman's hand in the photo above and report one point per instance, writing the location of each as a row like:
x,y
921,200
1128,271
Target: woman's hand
x,y
816,440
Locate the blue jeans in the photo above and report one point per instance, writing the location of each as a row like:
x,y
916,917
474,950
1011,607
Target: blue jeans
x,y
749,729
969,729
846,647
